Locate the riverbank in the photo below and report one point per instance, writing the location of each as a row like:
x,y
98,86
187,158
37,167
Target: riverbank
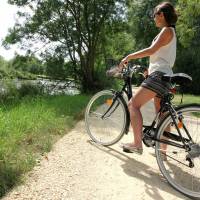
x,y
29,128
78,169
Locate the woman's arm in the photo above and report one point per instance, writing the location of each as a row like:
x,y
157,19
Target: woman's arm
x,y
163,39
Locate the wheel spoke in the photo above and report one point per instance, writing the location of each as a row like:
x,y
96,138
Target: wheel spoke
x,y
182,174
109,129
95,113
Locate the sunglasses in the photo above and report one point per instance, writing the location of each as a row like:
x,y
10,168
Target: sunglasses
x,y
156,13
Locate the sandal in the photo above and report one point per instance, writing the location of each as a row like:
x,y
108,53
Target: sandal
x,y
130,149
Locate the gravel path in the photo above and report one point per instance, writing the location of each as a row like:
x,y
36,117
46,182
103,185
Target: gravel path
x,y
77,169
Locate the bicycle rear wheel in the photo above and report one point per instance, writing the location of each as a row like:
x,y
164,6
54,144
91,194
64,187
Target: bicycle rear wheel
x,y
177,169
106,118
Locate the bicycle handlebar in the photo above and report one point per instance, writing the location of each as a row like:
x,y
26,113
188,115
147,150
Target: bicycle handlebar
x,y
127,71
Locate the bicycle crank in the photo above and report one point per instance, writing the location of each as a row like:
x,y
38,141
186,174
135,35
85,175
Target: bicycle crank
x,y
193,153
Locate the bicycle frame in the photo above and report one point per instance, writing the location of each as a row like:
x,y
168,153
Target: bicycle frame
x,y
173,126
127,88
166,107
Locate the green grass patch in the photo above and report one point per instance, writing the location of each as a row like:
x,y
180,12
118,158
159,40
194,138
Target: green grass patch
x,y
187,99
29,128
197,114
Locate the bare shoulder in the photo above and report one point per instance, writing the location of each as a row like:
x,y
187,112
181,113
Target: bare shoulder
x,y
167,32
165,36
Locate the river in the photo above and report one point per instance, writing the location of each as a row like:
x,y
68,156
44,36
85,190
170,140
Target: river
x,y
51,87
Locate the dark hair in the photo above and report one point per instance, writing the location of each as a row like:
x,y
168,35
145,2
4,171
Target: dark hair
x,y
168,11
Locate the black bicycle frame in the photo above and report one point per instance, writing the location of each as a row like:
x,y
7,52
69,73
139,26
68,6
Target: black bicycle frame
x,y
166,106
127,88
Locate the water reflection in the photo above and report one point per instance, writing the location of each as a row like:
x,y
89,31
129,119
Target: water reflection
x,y
51,87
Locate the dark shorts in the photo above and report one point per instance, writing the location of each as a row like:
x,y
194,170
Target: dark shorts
x,y
154,83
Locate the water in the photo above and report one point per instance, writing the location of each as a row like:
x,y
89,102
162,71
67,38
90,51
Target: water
x,y
51,87
55,87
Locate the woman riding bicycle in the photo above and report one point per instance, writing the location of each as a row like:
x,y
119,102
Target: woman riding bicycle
x,y
162,53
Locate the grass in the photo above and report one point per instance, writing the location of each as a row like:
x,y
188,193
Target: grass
x,y
187,99
29,128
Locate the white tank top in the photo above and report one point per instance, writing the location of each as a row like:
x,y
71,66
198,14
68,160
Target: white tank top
x,y
163,59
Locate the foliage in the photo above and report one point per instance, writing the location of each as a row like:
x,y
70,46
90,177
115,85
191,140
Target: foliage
x,y
188,35
21,75
4,68
74,28
188,31
84,37
188,24
110,53
13,69
141,21
27,64
142,25
10,91
29,89
29,128
55,67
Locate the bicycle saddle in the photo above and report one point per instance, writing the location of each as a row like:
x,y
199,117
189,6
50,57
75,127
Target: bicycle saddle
x,y
178,78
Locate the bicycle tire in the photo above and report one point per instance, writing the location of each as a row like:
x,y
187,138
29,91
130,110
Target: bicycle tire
x,y
109,129
180,175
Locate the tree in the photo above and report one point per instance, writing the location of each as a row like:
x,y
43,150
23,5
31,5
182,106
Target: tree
x,y
55,67
141,23
73,27
188,31
4,67
188,34
27,64
188,23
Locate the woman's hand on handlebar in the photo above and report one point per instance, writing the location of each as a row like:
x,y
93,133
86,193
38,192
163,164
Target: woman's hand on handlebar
x,y
145,73
123,63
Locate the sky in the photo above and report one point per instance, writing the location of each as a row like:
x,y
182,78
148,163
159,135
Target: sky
x,y
7,20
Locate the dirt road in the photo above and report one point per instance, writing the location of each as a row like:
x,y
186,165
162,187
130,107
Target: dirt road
x,y
77,169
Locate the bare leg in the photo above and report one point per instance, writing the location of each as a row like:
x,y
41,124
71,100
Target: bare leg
x,y
142,96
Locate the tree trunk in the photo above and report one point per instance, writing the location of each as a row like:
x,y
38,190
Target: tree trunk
x,y
88,81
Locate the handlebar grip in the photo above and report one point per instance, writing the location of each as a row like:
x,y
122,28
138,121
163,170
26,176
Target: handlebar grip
x,y
125,64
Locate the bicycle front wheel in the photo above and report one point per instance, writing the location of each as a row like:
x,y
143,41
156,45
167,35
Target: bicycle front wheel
x,y
106,118
182,173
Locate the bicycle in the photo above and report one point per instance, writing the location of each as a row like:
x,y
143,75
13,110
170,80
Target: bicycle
x,y
107,120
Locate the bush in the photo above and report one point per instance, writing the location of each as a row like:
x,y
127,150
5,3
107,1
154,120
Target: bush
x,y
28,89
10,91
101,81
23,75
